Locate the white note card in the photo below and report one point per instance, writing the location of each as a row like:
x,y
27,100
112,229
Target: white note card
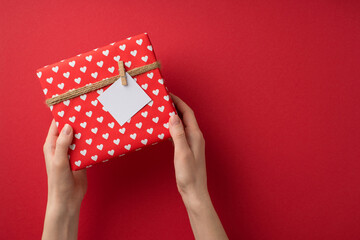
x,y
123,102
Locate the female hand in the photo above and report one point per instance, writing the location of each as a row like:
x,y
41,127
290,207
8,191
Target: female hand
x,y
190,171
189,155
66,188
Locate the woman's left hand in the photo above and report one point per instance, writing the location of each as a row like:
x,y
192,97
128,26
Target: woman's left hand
x,y
66,189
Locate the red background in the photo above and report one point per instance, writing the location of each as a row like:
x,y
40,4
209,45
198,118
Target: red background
x,y
274,85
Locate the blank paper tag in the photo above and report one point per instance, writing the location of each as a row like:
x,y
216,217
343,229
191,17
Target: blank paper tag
x,y
123,102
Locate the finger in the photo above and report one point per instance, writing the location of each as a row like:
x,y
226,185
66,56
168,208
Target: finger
x,y
177,133
196,142
192,131
187,113
50,142
62,145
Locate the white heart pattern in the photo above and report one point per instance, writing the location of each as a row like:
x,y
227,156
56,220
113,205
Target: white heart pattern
x,y
61,113
77,135
150,75
55,69
100,64
83,152
77,80
88,58
83,69
155,92
144,114
111,69
100,119
94,74
94,130
122,47
67,74
139,41
49,80
61,85
105,135
144,58
117,58
134,52
78,108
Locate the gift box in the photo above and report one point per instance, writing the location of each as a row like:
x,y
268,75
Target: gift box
x,y
98,137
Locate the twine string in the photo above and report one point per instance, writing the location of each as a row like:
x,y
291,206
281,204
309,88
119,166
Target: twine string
x,y
99,84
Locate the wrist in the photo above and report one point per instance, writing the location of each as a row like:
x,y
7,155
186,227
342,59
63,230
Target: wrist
x,y
63,208
196,201
61,221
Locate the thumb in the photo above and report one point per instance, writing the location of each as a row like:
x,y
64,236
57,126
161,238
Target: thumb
x,y
62,143
177,133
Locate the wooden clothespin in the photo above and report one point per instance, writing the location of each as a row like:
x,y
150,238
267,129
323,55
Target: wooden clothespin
x,y
122,73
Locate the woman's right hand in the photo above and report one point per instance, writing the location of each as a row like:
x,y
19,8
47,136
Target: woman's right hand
x,y
189,156
190,172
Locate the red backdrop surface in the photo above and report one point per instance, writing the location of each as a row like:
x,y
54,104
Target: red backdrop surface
x,y
274,84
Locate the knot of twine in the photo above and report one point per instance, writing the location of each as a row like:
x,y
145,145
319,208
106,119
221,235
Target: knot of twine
x,y
99,84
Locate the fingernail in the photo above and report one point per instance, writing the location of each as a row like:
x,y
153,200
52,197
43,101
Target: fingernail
x,y
174,120
66,129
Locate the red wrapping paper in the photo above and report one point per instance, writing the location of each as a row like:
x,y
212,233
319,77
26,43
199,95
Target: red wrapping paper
x,y
97,136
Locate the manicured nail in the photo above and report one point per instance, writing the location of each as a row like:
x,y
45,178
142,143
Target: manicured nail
x,y
67,129
174,120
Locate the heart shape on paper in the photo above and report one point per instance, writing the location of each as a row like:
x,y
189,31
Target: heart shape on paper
x,y
83,152
72,63
88,58
83,69
122,47
55,69
77,80
139,41
67,74
145,58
